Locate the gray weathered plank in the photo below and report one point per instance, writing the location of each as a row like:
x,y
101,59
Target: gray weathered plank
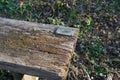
x,y
35,49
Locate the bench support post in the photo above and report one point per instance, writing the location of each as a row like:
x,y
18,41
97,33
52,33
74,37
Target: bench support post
x,y
28,77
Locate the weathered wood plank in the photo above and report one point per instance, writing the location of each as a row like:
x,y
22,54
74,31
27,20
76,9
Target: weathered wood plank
x,y
35,49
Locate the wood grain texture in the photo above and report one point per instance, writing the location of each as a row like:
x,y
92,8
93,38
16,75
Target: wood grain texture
x,y
35,49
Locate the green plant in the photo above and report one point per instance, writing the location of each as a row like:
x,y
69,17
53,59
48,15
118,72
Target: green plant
x,y
56,21
94,48
3,75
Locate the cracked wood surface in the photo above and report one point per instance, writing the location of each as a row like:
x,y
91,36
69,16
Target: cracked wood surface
x,y
35,49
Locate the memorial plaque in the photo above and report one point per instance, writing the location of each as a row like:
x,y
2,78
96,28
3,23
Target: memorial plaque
x,y
65,31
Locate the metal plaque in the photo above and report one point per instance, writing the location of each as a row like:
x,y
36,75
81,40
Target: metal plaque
x,y
65,31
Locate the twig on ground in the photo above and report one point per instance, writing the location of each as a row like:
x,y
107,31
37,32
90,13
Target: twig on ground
x,y
110,77
86,73
117,74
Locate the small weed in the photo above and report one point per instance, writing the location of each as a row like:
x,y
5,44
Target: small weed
x,y
56,21
3,75
94,48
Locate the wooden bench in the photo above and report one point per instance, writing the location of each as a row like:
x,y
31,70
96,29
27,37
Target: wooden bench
x,y
35,49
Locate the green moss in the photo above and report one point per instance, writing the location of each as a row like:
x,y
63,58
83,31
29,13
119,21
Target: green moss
x,y
35,41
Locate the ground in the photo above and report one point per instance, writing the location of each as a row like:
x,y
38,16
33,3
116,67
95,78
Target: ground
x,y
98,48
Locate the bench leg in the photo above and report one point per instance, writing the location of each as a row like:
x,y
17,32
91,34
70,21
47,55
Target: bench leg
x,y
28,77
